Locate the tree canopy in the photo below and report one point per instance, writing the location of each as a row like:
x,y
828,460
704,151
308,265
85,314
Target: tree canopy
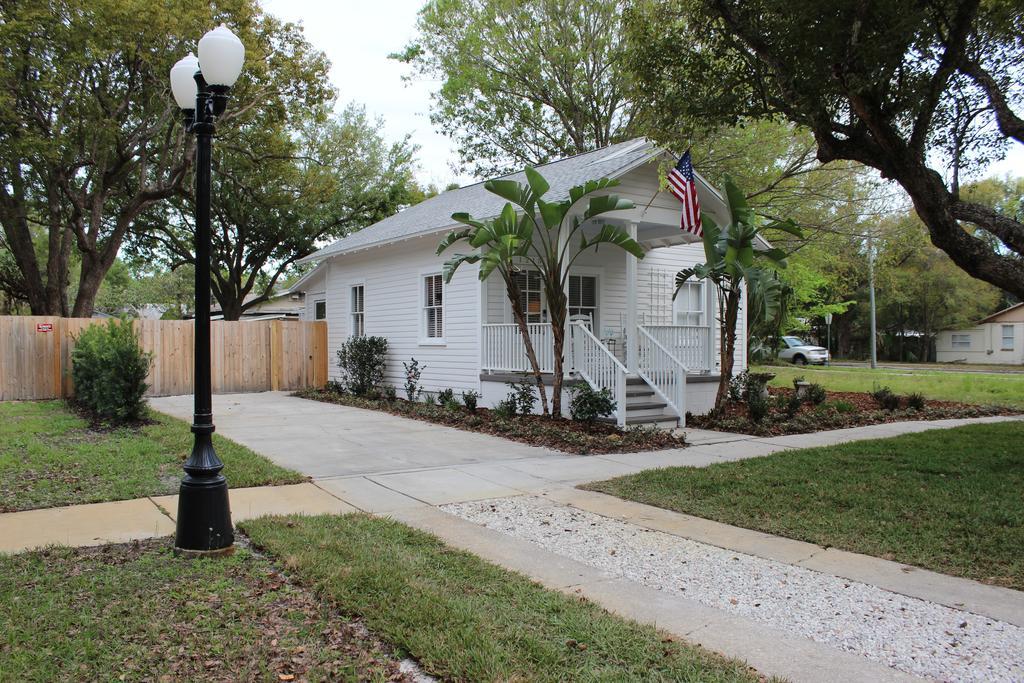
x,y
925,93
90,138
523,82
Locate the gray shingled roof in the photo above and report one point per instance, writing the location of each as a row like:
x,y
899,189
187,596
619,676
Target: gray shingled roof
x,y
435,213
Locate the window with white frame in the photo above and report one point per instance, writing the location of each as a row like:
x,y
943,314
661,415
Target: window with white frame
x,y
960,341
358,321
531,295
583,297
688,306
320,310
433,307
1007,338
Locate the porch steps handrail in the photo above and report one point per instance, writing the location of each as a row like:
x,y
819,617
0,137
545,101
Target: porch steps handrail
x,y
692,345
503,350
599,367
663,372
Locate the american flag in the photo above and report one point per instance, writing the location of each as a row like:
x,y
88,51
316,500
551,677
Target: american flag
x,y
682,184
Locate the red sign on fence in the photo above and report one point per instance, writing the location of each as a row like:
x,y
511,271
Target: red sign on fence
x,y
44,327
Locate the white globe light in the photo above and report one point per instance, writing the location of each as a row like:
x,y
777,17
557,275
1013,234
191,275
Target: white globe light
x,y
183,83
221,54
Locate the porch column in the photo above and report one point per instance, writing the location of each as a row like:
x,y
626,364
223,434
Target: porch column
x,y
631,324
711,317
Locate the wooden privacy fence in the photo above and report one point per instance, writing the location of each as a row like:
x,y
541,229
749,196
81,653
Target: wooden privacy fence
x,y
259,355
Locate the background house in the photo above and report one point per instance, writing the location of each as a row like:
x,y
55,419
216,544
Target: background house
x,y
998,338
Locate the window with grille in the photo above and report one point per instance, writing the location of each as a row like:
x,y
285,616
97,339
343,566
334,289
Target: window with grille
x,y
960,341
583,297
320,310
688,306
358,321
1007,338
433,307
531,295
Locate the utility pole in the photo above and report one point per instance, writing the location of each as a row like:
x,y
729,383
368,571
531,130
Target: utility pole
x,y
871,298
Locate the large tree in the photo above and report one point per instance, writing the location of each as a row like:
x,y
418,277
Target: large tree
x,y
89,136
926,93
279,194
523,82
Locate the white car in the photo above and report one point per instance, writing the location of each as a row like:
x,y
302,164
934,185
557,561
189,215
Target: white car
x,y
800,352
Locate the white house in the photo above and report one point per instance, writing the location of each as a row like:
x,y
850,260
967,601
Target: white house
x,y
656,354
998,338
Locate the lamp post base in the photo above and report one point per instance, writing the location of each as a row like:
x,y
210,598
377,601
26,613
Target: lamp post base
x,y
204,517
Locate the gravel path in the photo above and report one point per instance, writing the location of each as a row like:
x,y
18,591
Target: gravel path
x,y
905,633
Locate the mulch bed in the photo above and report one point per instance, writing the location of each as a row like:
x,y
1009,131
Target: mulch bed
x,y
841,409
559,434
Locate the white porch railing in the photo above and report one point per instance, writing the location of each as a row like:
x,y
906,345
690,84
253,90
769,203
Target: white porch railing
x,y
662,371
595,363
692,345
503,349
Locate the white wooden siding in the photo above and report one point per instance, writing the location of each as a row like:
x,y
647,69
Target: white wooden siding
x,y
392,278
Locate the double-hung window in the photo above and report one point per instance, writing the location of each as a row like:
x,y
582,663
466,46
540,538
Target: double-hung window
x,y
688,306
320,310
358,319
583,297
433,307
1007,331
531,295
960,341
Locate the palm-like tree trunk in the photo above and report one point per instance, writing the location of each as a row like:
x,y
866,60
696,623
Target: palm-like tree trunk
x,y
512,290
727,350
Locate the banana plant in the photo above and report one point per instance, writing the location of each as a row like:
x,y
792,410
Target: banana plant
x,y
546,236
732,263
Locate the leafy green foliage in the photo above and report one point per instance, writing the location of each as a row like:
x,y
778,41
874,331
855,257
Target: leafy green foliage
x,y
514,91
413,372
470,399
916,401
901,88
816,393
588,405
885,398
522,396
731,267
109,369
110,147
546,236
362,361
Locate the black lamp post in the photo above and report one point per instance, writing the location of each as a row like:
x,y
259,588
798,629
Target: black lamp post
x,y
200,87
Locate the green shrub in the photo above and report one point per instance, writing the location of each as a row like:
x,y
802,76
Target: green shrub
x,y
793,403
816,394
390,393
362,361
738,386
430,400
916,401
505,408
412,379
109,369
523,397
758,406
469,399
587,405
446,396
885,398
839,406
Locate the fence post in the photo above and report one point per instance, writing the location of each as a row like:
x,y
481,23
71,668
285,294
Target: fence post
x,y
58,358
276,355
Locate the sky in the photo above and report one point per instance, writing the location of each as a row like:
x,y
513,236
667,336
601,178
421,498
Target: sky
x,y
358,35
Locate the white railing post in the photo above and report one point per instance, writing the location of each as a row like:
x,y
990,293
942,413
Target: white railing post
x,y
663,372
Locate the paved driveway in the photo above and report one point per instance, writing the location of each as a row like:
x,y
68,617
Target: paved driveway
x,y
327,440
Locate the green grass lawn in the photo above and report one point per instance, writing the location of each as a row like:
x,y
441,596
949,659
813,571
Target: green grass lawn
x,y
947,500
972,387
49,457
464,619
136,612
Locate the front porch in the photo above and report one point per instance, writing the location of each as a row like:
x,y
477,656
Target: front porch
x,y
627,332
